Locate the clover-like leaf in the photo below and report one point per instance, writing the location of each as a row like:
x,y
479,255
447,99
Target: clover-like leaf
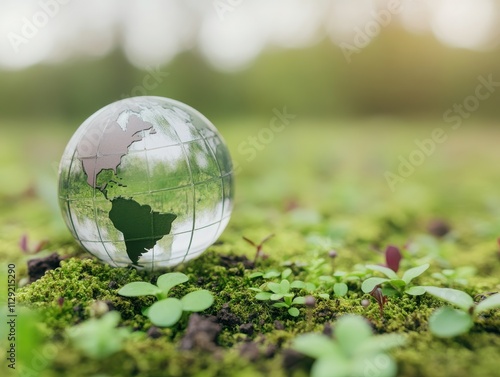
x,y
276,296
297,284
271,274
447,322
294,312
139,288
286,273
453,296
165,313
256,275
488,303
385,270
197,301
280,305
299,301
415,291
310,287
167,281
285,286
263,296
412,273
340,289
370,283
274,287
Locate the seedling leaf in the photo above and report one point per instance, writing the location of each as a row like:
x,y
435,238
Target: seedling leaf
x,y
453,296
285,286
385,270
370,283
488,303
412,273
340,289
286,273
263,296
298,284
299,301
294,312
448,322
271,274
398,283
274,287
197,301
165,313
167,281
415,291
255,275
276,296
351,332
139,288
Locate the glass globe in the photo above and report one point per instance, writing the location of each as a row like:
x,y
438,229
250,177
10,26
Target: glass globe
x,y
146,181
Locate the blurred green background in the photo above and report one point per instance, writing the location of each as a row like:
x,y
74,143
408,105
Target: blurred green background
x,y
363,80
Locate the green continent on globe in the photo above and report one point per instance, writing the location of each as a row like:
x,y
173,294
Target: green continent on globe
x,y
141,226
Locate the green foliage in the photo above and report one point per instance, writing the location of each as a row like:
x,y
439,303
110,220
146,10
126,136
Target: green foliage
x,y
99,338
271,274
392,284
167,311
282,294
354,352
447,322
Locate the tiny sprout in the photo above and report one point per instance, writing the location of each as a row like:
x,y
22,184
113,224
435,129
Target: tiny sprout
x,y
447,322
352,352
392,283
258,248
100,338
28,248
378,295
167,311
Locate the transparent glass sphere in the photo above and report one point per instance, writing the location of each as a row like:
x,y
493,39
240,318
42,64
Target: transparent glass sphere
x,y
146,181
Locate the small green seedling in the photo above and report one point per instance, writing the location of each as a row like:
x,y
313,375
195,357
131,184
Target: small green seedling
x,y
355,351
271,274
167,311
336,282
393,284
447,322
258,248
281,292
100,338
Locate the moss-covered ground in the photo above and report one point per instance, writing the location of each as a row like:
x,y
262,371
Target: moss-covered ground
x,y
317,186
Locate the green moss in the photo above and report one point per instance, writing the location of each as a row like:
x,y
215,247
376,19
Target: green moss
x,y
324,197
